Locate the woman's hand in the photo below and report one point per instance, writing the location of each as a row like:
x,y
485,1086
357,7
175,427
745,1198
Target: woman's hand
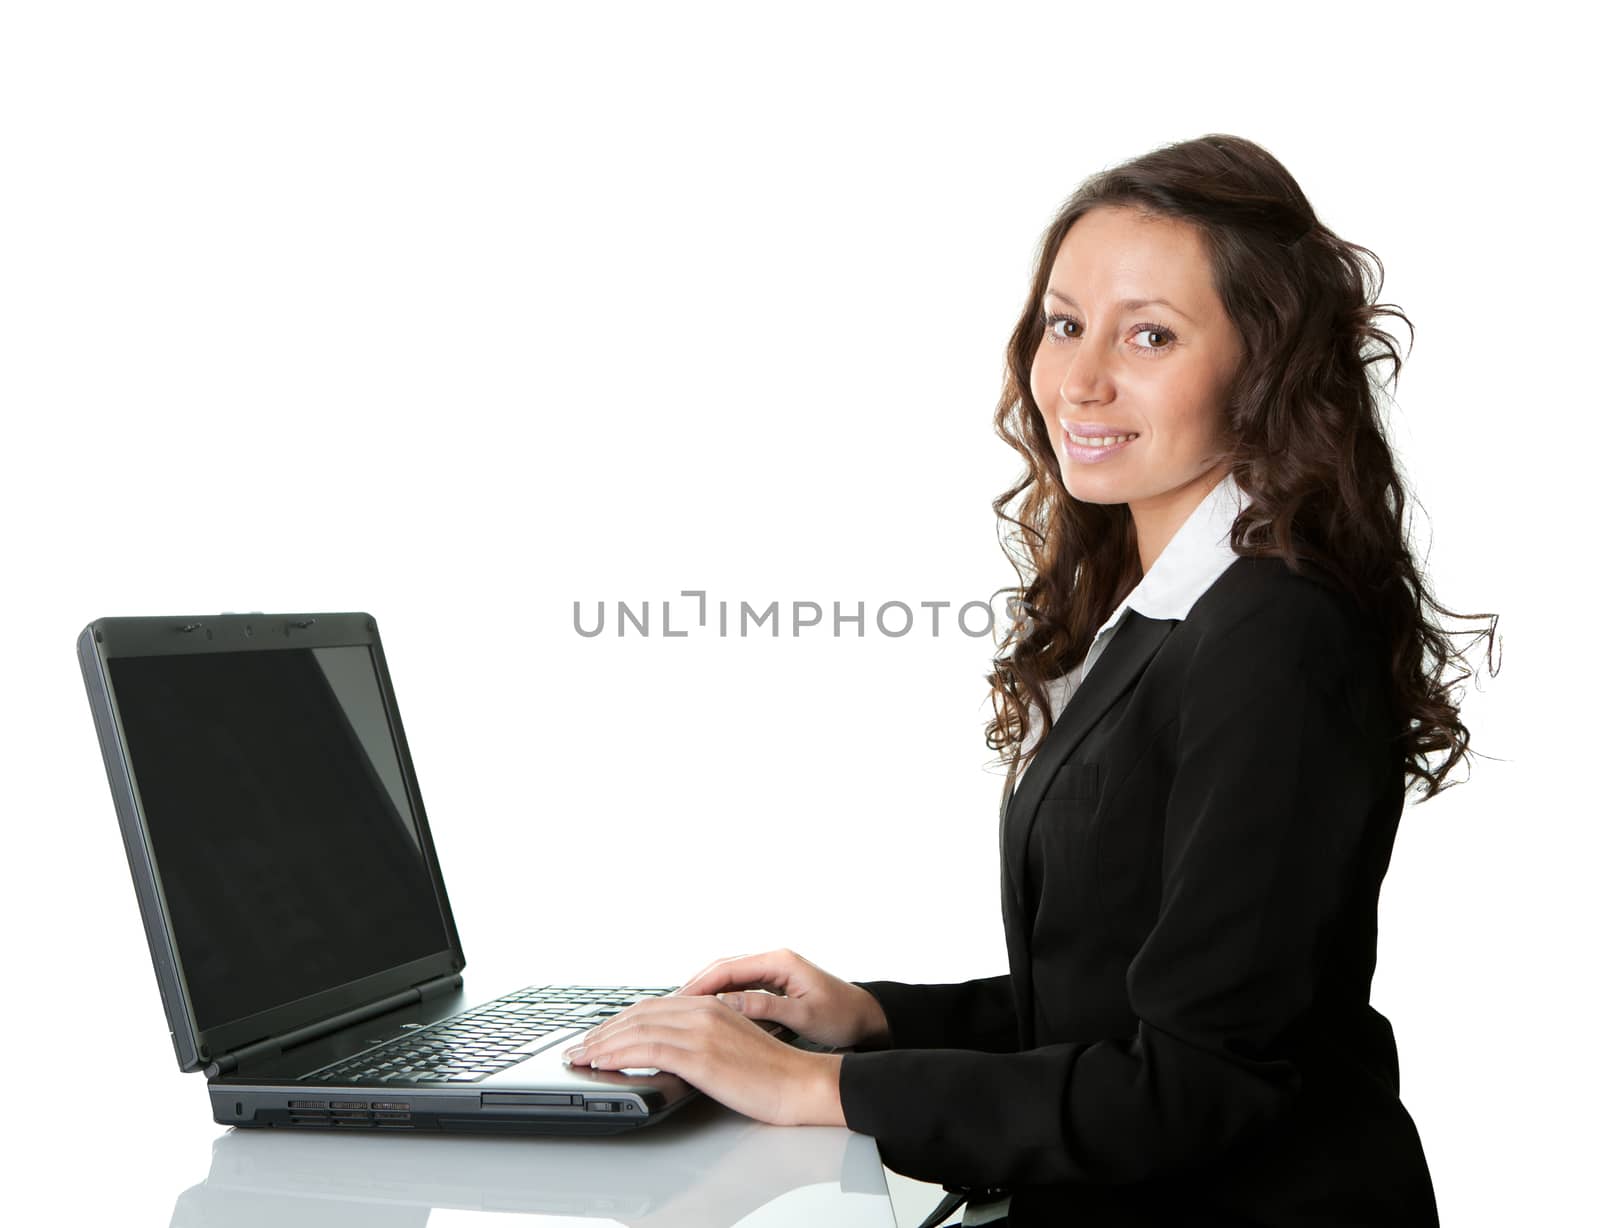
x,y
820,1007
728,1057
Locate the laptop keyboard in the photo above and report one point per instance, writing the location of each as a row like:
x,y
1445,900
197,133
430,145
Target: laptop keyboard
x,y
475,1044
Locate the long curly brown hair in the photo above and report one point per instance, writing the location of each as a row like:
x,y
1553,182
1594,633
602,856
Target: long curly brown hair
x,y
1303,434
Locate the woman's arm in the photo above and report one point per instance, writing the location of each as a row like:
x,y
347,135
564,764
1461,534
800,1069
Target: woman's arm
x,y
979,1014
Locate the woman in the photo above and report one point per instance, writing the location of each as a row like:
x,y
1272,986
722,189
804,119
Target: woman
x,y
1216,687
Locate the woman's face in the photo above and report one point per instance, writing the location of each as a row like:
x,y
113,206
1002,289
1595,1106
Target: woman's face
x,y
1111,364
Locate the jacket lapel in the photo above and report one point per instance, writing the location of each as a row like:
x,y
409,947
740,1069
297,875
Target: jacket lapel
x,y
1121,663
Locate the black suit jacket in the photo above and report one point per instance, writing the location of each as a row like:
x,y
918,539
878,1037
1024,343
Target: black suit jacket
x,y
1189,886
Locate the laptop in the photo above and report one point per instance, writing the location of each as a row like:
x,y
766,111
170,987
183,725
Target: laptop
x,y
295,910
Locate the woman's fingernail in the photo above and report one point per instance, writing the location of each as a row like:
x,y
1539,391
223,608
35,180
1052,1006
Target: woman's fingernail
x,y
732,999
575,1051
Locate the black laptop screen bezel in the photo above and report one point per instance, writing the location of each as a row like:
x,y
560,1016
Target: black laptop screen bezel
x,y
109,638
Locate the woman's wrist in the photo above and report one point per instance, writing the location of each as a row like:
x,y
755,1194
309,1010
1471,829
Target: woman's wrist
x,y
824,1107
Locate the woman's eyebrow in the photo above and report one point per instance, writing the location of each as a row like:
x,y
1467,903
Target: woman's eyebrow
x,y
1128,304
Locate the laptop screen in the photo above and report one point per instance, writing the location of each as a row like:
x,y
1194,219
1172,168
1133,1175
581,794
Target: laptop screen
x,y
278,815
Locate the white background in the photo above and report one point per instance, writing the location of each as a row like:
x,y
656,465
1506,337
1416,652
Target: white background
x,y
460,314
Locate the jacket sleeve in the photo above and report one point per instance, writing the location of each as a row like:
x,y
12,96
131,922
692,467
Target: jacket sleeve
x,y
1274,785
977,1014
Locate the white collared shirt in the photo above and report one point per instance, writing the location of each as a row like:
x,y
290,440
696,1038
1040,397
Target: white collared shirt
x,y
1191,562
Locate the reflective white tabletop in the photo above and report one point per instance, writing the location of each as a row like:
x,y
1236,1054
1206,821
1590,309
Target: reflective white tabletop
x,y
704,1166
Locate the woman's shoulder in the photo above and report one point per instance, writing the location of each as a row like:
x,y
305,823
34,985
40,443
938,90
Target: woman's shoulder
x,y
1263,627
1262,606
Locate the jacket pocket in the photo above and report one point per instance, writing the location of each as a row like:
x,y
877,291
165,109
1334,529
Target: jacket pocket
x,y
1073,782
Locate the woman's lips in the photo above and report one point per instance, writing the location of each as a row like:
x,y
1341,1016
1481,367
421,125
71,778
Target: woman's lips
x,y
1087,455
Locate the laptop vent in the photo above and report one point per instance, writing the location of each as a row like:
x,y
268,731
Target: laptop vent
x,y
351,1114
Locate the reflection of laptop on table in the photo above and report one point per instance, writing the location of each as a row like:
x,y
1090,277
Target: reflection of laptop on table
x,y
295,911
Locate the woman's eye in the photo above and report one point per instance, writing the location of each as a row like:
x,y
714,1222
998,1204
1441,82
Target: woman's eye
x,y
1159,331
1051,322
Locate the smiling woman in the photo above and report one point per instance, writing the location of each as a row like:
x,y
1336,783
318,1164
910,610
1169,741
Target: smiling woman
x,y
1218,682
1217,686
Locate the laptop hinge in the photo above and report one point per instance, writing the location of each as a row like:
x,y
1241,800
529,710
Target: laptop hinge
x,y
270,1045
